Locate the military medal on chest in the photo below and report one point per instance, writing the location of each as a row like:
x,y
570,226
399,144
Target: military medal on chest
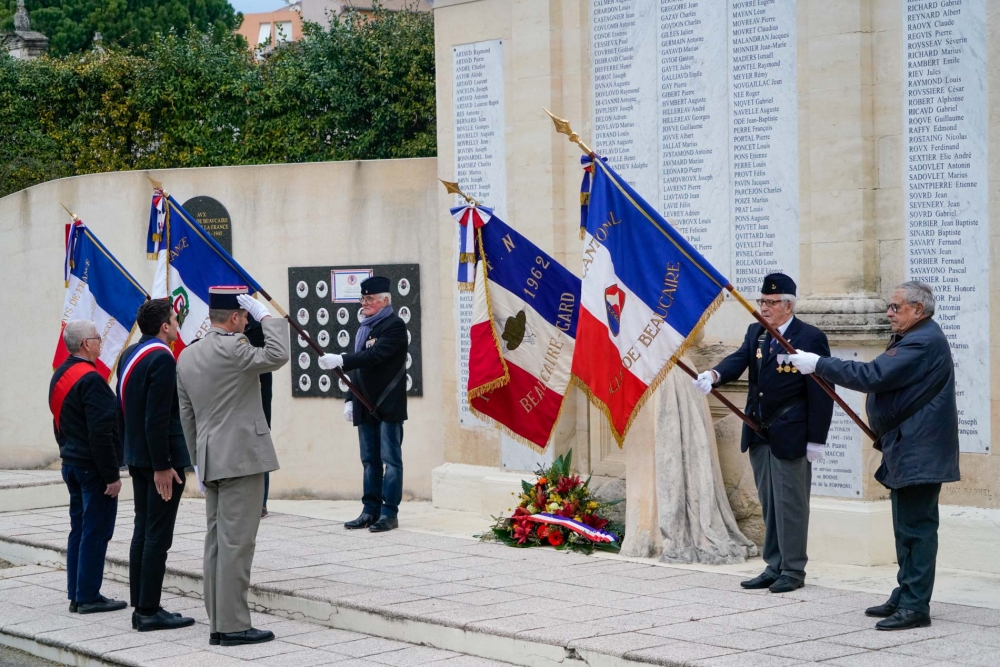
x,y
785,366
759,355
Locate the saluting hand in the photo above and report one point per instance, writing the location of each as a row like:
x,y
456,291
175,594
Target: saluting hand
x,y
164,481
257,310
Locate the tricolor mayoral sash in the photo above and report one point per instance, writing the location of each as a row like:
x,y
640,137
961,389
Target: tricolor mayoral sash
x,y
523,332
140,352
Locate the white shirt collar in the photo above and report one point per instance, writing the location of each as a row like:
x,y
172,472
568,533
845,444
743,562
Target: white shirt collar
x,y
785,326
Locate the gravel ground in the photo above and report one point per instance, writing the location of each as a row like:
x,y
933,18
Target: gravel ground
x,y
10,657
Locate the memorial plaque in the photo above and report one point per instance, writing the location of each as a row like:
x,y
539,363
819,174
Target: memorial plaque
x,y
841,471
945,119
480,164
214,218
334,324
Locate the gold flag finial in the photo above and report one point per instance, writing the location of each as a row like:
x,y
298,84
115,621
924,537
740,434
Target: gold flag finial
x,y
563,127
71,213
156,184
453,189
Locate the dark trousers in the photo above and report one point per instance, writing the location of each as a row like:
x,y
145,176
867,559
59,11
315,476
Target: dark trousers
x,y
92,524
783,487
382,447
152,536
915,525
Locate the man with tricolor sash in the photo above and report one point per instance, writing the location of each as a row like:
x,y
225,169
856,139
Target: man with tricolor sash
x,y
156,455
83,418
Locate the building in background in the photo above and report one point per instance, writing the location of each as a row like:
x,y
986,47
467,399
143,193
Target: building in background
x,y
24,43
267,30
318,11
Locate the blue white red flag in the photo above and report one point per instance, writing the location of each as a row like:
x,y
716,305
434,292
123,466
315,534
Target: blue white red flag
x,y
196,262
646,293
523,334
470,219
98,288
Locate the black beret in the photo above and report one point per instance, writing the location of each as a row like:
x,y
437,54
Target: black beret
x,y
375,285
778,283
224,297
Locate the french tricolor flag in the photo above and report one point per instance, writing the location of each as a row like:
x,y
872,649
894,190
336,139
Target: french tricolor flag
x,y
646,292
189,261
523,332
98,288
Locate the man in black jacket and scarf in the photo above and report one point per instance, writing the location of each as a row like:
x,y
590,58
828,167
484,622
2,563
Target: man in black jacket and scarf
x,y
156,454
378,369
83,417
912,408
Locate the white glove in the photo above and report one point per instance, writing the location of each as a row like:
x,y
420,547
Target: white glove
x,y
349,411
804,361
331,361
197,477
257,310
814,452
704,382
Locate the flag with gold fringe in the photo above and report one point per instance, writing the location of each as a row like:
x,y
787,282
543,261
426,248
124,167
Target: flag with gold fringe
x,y
523,330
646,292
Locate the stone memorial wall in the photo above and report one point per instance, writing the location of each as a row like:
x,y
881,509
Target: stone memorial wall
x,y
480,166
841,471
945,122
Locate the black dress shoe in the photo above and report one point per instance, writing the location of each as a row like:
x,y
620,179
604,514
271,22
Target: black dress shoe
x,y
882,610
384,524
251,636
163,620
362,521
213,638
763,580
785,584
904,619
72,607
135,618
101,604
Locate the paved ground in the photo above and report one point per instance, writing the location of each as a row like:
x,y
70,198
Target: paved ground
x,y
593,606
15,479
10,657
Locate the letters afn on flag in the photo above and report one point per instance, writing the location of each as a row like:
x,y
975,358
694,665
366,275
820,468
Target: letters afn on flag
x,y
98,288
646,293
523,330
189,261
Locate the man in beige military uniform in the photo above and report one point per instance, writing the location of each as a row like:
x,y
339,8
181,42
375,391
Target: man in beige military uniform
x,y
230,445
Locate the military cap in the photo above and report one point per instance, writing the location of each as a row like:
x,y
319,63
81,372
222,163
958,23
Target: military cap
x,y
778,283
223,297
375,285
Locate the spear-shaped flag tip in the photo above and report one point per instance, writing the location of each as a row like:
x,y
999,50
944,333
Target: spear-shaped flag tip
x,y
156,183
563,127
71,213
453,189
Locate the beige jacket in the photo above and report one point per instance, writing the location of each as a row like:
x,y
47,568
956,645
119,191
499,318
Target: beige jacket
x,y
221,412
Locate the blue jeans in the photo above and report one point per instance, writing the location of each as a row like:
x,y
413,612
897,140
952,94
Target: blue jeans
x,y
92,524
382,445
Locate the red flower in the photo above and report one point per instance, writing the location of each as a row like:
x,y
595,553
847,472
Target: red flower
x,y
594,521
522,531
555,537
540,499
569,510
567,484
543,530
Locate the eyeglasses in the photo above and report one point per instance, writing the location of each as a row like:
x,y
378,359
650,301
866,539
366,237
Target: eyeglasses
x,y
770,303
894,307
97,338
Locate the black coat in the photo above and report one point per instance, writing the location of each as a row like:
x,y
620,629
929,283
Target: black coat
x,y
924,448
375,366
87,431
809,420
151,424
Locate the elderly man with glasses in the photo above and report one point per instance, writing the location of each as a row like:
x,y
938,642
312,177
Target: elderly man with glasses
x,y
378,370
912,408
795,415
83,416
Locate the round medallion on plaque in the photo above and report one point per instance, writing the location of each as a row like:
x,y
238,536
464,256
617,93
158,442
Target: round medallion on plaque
x,y
341,384
343,338
302,316
324,383
304,382
404,314
342,316
304,360
302,289
322,289
322,316
323,338
403,286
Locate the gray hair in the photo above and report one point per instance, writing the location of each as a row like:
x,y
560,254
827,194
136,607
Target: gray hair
x,y
385,295
917,292
789,298
76,332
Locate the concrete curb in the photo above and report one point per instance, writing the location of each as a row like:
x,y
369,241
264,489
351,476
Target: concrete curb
x,y
53,652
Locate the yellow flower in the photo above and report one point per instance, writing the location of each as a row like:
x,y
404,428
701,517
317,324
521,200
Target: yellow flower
x,y
592,505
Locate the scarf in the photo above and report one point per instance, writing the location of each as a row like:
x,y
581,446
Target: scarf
x,y
366,327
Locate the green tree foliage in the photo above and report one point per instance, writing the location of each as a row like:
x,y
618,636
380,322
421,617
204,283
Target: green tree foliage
x,y
70,24
363,89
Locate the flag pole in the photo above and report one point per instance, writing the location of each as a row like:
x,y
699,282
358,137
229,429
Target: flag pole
x,y
563,127
157,185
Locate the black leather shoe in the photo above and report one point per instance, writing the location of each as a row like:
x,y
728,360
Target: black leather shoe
x,y
163,620
362,521
883,610
135,618
213,638
72,607
785,584
251,636
101,604
384,524
762,580
904,619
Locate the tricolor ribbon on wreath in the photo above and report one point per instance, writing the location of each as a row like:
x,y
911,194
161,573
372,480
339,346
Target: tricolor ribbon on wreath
x,y
470,218
592,534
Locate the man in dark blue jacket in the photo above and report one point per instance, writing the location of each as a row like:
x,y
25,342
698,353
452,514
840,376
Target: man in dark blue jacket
x,y
156,454
83,417
912,408
378,368
796,414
